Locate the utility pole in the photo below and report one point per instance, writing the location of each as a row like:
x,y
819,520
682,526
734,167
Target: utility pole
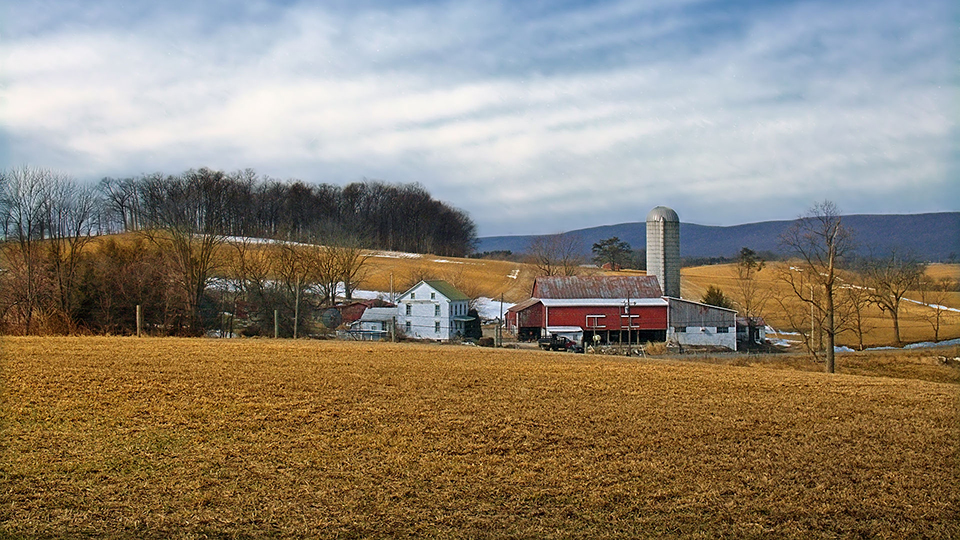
x,y
500,324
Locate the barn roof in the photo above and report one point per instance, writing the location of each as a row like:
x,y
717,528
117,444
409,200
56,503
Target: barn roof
x,y
596,287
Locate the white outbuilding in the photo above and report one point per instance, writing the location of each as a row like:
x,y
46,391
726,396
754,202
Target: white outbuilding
x,y
693,323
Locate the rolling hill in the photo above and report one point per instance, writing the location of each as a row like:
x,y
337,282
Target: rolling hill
x,y
929,237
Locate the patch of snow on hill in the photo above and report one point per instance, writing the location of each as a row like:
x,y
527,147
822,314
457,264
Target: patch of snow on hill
x,y
490,309
934,306
395,255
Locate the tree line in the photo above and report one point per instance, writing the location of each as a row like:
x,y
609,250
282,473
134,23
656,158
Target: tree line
x,y
396,217
194,230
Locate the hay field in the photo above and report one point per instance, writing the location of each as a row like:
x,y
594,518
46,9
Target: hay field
x,y
913,326
120,437
474,277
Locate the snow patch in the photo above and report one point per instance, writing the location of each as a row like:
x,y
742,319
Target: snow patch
x,y
490,309
395,255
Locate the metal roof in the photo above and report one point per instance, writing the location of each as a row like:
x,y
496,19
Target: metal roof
x,y
601,302
378,314
672,299
619,287
523,305
446,289
662,213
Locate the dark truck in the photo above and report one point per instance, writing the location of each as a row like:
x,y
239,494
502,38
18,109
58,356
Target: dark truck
x,y
558,343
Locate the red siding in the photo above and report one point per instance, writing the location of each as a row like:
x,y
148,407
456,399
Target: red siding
x,y
643,317
614,318
530,317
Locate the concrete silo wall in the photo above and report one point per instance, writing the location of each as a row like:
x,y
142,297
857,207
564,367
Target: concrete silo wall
x,y
663,249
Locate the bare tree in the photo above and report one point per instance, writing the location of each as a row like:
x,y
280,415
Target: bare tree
x,y
349,261
122,203
934,294
24,205
854,301
751,298
819,243
888,280
185,219
296,271
556,254
70,213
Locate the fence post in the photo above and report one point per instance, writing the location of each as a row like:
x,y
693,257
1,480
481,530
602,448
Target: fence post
x,y
276,324
139,321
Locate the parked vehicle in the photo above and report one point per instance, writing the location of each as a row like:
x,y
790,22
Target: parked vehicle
x,y
559,343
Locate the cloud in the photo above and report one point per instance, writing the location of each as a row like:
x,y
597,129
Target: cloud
x,y
534,119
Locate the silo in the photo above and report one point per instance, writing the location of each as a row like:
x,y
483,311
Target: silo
x,y
663,249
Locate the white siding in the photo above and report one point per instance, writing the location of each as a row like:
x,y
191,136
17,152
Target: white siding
x,y
704,335
423,301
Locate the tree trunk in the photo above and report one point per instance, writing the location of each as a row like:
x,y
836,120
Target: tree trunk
x,y
831,365
896,326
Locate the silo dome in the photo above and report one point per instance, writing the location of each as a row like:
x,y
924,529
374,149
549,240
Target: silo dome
x,y
662,213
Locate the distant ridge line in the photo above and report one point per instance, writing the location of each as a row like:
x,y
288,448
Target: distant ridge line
x,y
930,236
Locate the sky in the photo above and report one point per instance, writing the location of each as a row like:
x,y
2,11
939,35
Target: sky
x,y
534,117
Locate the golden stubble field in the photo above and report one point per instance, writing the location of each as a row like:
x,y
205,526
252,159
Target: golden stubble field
x,y
181,438
914,324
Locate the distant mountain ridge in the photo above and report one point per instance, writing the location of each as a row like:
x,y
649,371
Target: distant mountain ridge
x,y
928,237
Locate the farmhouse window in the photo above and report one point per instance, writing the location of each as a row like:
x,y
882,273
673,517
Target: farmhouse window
x,y
409,310
413,296
433,296
436,310
408,326
436,326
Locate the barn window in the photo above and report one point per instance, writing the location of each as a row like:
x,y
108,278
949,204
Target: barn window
x,y
723,330
409,310
593,321
679,329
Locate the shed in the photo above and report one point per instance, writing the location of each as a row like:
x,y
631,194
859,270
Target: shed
x,y
694,323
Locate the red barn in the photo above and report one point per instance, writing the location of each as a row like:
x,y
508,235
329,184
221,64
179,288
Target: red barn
x,y
615,308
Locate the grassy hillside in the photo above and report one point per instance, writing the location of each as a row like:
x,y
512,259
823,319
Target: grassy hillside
x,y
177,438
913,326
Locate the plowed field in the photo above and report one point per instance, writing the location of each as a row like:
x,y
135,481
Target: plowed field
x,y
120,437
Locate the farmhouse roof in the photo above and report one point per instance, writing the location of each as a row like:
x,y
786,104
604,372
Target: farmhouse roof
x,y
442,287
596,287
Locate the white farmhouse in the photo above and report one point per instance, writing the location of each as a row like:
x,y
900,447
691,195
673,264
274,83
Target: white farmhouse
x,y
432,309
